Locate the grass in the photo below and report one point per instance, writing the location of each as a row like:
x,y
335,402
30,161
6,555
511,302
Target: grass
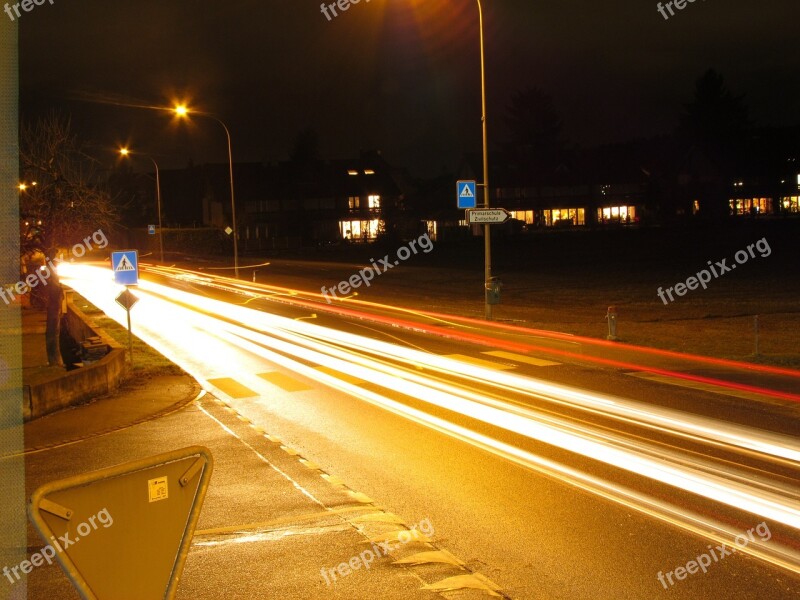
x,y
146,361
566,281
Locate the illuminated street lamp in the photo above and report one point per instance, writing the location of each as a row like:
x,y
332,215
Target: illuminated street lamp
x,y
125,153
182,111
485,184
486,227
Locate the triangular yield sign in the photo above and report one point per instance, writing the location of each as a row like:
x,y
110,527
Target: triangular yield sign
x,y
123,533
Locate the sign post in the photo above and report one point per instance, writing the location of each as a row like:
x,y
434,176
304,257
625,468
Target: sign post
x,y
126,300
126,272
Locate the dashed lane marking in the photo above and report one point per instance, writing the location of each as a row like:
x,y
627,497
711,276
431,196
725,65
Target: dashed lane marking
x,y
332,479
528,360
472,580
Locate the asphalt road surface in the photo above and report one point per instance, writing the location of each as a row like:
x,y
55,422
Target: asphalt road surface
x,y
556,466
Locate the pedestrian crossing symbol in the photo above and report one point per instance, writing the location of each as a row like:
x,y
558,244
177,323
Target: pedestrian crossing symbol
x,y
126,267
465,194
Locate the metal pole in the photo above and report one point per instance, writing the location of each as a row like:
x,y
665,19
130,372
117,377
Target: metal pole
x,y
233,202
130,335
487,242
158,199
756,331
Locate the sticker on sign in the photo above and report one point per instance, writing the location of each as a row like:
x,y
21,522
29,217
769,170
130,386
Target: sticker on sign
x,y
487,215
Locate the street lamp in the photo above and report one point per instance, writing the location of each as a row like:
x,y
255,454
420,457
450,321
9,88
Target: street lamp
x,y
485,185
182,111
125,153
486,228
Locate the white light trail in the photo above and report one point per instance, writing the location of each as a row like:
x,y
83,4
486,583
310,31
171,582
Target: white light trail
x,y
210,338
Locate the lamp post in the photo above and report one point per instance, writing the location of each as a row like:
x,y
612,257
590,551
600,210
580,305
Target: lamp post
x,y
182,111
487,248
125,152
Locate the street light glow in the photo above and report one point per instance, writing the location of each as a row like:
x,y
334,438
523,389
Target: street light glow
x,y
182,111
125,152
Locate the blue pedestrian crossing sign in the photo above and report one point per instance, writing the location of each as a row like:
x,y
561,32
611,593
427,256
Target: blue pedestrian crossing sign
x,y
126,267
465,193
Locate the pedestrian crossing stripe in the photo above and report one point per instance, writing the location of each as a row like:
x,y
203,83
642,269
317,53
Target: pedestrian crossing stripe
x,y
486,364
124,264
522,358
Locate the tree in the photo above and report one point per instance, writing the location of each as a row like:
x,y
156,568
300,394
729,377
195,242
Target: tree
x,y
535,140
66,204
716,121
305,151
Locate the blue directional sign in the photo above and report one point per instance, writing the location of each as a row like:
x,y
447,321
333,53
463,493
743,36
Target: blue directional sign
x,y
151,229
465,193
126,267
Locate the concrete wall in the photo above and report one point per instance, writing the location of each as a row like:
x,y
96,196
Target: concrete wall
x,y
81,385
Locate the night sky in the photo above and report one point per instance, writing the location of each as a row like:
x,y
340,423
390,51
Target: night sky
x,y
401,76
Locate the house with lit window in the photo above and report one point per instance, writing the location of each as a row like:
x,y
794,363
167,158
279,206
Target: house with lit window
x,y
760,180
316,202
592,188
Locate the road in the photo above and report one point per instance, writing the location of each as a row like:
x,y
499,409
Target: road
x,y
558,467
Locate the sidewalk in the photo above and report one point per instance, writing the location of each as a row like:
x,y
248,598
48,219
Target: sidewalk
x,y
272,525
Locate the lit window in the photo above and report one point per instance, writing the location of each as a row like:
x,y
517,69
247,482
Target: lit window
x,y
369,172
360,231
352,172
374,201
353,202
523,215
432,228
617,214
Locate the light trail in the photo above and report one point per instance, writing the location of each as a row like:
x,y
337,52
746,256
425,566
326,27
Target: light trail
x,y
291,296
665,420
211,339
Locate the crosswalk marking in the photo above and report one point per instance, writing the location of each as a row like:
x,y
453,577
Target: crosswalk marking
x,y
522,358
339,375
479,362
232,388
283,381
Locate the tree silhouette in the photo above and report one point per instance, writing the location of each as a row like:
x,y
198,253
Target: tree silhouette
x,y
716,121
306,148
535,140
66,204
